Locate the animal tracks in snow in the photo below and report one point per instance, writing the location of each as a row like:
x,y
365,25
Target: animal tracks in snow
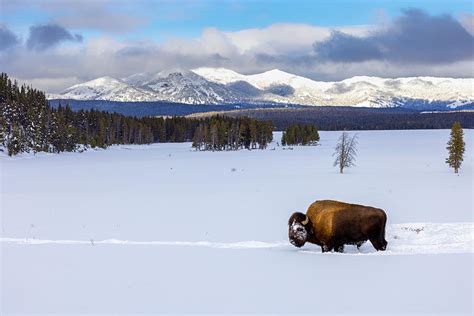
x,y
403,239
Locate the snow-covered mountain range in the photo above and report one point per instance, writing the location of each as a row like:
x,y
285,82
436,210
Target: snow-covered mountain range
x,y
224,86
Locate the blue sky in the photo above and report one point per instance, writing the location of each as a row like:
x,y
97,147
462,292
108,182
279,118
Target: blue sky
x,y
77,40
161,19
236,15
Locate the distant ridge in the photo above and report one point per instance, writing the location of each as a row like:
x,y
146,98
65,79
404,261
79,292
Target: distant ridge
x,y
223,86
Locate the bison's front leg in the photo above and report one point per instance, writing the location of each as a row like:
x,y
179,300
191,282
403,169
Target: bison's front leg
x,y
326,248
379,244
359,244
339,248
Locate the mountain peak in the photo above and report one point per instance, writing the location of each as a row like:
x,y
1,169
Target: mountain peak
x,y
101,81
215,70
277,74
218,75
172,71
277,71
208,85
138,78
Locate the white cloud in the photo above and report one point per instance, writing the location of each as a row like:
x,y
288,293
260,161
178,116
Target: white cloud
x,y
285,38
285,46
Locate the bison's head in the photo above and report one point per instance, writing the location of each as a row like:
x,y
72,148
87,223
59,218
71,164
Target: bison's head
x,y
299,227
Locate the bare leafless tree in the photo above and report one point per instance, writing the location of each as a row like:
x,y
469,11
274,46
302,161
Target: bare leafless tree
x,y
345,151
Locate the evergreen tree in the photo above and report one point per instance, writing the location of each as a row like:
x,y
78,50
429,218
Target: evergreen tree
x,y
456,147
283,139
198,138
297,134
16,140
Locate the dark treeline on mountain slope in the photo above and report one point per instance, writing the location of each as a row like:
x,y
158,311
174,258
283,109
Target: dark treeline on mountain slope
x,y
159,108
298,134
225,133
29,124
330,118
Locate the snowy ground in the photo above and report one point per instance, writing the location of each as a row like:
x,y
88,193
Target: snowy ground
x,y
164,229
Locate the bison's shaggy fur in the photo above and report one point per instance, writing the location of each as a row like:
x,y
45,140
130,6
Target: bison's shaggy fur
x,y
333,224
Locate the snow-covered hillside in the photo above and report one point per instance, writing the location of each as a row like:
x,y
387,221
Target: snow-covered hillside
x,y
104,88
187,87
362,90
219,85
164,229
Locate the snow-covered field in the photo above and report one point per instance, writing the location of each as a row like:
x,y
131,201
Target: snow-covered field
x,y
163,229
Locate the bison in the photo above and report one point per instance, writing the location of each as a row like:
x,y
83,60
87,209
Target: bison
x,y
333,224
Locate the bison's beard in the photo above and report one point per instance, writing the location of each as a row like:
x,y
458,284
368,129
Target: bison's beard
x,y
297,234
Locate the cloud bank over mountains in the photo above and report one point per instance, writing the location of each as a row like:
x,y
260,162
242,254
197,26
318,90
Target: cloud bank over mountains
x,y
56,55
7,38
45,36
414,38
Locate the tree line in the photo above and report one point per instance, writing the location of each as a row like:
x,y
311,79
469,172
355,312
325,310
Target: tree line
x,y
299,134
337,118
29,124
225,133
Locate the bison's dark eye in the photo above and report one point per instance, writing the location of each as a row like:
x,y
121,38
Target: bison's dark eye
x,y
299,229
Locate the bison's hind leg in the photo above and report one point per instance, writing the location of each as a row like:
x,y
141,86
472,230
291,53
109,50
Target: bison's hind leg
x,y
339,248
360,243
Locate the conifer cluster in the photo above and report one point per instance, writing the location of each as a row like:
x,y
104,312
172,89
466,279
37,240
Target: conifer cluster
x,y
29,124
298,134
225,133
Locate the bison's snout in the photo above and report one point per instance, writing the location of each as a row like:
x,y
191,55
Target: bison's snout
x,y
297,235
297,243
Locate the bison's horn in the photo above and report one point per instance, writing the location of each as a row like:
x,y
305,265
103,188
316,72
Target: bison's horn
x,y
306,220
